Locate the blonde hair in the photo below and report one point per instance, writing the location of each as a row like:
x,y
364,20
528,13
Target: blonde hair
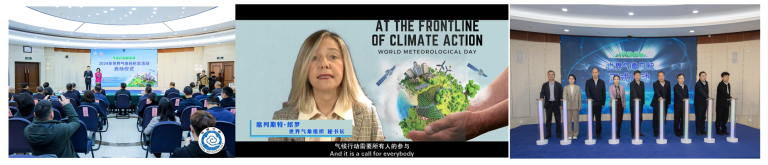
x,y
301,90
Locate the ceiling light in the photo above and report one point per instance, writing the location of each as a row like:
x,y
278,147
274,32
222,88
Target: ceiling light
x,y
81,6
89,15
182,12
564,9
182,7
147,19
97,35
130,12
97,13
566,30
691,31
155,9
69,6
631,13
34,18
152,16
154,12
78,16
133,8
149,35
695,11
105,11
126,15
57,6
214,16
152,28
111,8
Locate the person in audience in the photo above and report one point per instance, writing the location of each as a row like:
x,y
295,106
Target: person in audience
x,y
103,92
226,100
199,121
217,88
204,95
187,102
123,91
12,92
72,94
45,85
25,89
219,112
147,91
48,136
49,95
79,95
11,100
192,84
39,95
325,87
164,113
90,100
26,106
171,90
99,96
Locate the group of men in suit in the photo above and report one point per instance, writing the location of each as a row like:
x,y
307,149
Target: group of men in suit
x,y
595,89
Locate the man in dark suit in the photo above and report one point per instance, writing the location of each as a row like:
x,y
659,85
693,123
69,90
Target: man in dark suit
x,y
88,74
661,89
123,91
171,90
595,89
74,88
636,91
551,93
681,92
187,102
723,105
39,95
25,88
71,94
226,97
700,102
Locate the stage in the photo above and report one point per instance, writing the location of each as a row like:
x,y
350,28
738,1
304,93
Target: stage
x,y
522,143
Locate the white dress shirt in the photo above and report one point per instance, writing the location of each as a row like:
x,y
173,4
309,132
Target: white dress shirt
x,y
338,113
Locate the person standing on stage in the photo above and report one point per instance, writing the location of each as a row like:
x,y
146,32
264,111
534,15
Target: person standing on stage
x,y
572,94
723,105
661,89
700,102
636,91
595,89
551,93
617,92
88,75
681,92
98,76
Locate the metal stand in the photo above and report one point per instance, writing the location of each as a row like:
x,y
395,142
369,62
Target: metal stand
x,y
662,120
637,140
733,138
709,138
565,140
613,123
589,140
685,139
541,140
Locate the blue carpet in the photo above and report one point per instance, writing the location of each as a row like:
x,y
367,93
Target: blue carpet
x,y
522,144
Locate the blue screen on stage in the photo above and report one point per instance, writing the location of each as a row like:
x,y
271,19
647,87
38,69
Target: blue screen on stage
x,y
622,56
135,67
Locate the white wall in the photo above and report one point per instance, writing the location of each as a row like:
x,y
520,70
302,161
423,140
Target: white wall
x,y
539,57
178,67
16,54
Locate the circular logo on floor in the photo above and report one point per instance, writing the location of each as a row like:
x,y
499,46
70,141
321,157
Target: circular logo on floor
x,y
211,140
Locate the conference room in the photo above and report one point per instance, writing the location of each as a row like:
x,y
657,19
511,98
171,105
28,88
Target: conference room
x,y
635,81
121,81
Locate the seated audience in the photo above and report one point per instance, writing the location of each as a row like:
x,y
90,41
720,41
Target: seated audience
x,y
199,121
48,136
219,112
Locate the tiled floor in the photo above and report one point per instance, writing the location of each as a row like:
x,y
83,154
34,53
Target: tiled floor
x,y
121,138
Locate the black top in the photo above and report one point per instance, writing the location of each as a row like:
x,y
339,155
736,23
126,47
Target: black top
x,y
38,96
702,94
123,91
227,102
595,92
545,93
659,92
88,74
26,91
723,96
193,150
681,92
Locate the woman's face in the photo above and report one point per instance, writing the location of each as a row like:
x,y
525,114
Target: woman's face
x,y
98,70
571,80
616,80
326,66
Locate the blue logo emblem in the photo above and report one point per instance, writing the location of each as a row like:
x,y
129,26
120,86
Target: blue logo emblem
x,y
211,140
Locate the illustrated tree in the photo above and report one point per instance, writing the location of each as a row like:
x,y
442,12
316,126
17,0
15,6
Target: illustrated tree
x,y
472,88
431,70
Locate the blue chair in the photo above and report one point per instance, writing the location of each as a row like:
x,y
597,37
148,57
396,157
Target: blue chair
x,y
141,107
23,156
13,110
196,94
164,138
148,115
123,102
103,106
229,135
175,101
73,102
56,114
230,109
91,121
17,142
57,105
173,95
185,117
80,141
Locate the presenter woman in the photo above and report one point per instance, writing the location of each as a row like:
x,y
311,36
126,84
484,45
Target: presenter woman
x,y
572,96
98,75
617,92
325,87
